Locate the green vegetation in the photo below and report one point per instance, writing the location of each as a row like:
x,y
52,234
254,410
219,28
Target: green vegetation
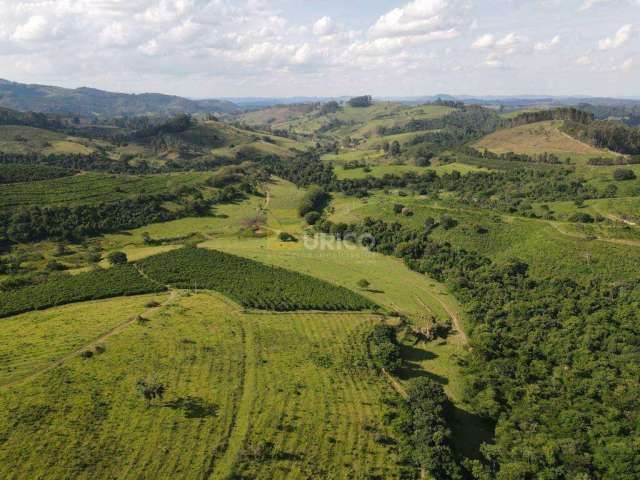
x,y
60,290
244,394
91,189
30,173
250,283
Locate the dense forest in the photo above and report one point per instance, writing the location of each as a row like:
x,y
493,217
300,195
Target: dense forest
x,y
554,363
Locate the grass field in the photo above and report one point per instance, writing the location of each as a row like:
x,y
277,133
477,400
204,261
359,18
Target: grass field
x,y
536,138
21,139
34,340
228,409
91,188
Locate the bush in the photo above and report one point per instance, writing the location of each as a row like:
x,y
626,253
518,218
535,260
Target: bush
x,y
312,218
581,217
286,237
384,348
622,174
448,222
315,200
117,258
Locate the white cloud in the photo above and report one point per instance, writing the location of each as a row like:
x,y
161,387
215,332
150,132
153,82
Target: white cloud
x,y
36,28
325,26
541,46
490,41
485,41
584,60
621,37
421,17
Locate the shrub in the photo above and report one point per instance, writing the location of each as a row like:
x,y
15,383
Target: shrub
x,y
622,174
117,258
581,217
312,217
286,237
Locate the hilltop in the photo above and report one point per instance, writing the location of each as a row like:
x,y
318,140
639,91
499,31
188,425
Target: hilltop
x,y
90,101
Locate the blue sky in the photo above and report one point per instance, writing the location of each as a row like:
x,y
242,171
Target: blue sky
x,y
218,48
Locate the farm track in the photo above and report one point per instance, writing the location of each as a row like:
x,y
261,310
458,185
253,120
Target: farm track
x,y
173,296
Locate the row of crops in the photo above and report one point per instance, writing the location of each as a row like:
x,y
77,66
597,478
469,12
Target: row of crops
x,y
118,281
31,173
90,188
252,284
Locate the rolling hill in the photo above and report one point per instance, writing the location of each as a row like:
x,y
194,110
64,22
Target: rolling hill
x,y
90,101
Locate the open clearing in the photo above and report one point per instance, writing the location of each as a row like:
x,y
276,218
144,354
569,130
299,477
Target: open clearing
x,y
536,138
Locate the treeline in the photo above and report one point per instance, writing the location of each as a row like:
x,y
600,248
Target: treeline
x,y
566,114
467,122
511,191
14,173
555,363
608,161
77,222
545,157
613,135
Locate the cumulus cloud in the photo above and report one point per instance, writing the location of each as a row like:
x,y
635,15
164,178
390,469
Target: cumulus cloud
x,y
35,28
325,26
488,40
541,46
621,37
422,17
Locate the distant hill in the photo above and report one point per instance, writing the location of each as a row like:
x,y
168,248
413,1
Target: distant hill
x,y
90,101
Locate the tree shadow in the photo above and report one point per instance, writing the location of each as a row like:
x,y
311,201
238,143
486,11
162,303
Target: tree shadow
x,y
470,431
372,290
412,367
193,407
410,353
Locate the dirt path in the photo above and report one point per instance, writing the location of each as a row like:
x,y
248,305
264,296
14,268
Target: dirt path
x,y
173,295
577,236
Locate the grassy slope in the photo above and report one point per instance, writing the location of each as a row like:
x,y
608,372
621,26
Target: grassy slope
x,y
36,140
226,398
537,138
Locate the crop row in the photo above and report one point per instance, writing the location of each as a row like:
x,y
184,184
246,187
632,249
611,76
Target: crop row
x,y
89,188
60,290
252,284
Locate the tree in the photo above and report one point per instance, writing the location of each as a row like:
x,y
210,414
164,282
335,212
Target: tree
x,y
117,258
395,148
363,283
151,390
361,102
